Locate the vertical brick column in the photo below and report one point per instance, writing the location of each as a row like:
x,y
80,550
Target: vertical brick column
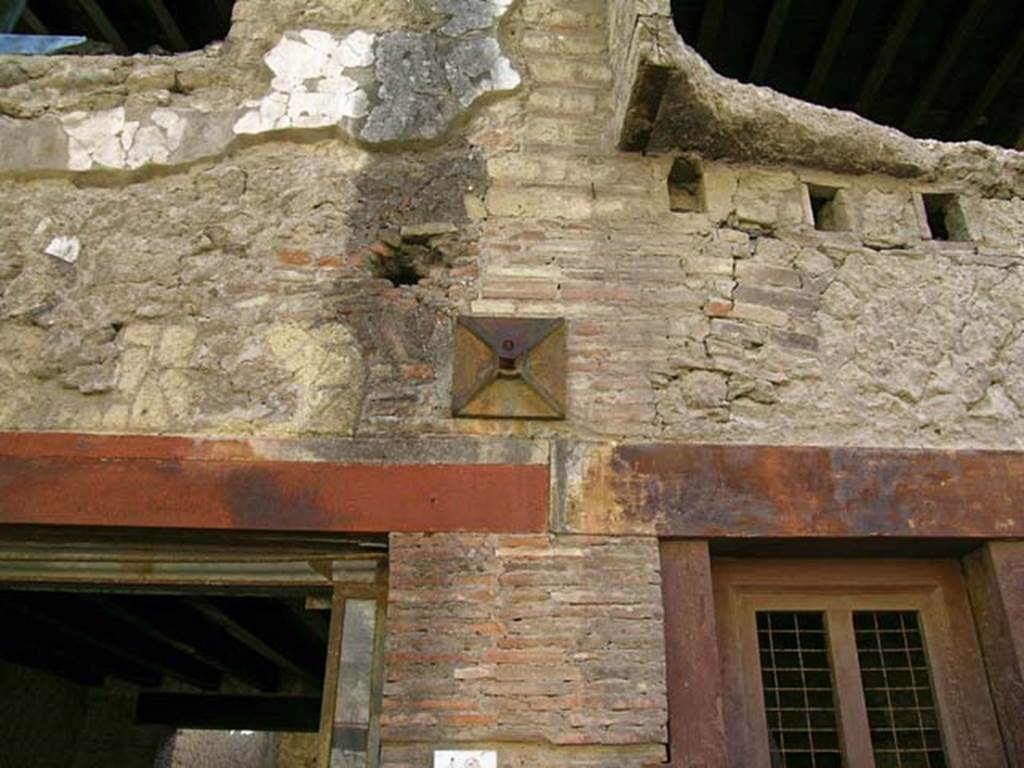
x,y
995,583
549,649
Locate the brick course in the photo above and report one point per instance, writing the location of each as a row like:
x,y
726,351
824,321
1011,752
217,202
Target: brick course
x,y
549,641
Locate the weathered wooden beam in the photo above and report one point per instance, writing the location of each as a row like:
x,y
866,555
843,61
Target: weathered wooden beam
x,y
770,37
830,49
693,675
181,627
879,71
261,628
748,492
24,648
88,621
316,624
225,485
993,85
951,51
995,583
224,8
710,24
136,636
168,25
104,25
34,23
74,643
228,713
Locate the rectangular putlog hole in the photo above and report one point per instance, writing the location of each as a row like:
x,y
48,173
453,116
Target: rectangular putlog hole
x,y
829,208
945,217
685,186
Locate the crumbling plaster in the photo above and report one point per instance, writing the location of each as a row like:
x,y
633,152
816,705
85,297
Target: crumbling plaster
x,y
377,87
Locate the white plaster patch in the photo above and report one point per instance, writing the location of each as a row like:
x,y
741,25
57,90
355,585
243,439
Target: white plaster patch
x,y
106,139
64,248
310,88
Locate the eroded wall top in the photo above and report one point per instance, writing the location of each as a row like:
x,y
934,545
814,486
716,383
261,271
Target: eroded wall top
x,y
407,75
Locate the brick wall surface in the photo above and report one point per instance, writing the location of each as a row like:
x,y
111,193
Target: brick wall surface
x,y
552,644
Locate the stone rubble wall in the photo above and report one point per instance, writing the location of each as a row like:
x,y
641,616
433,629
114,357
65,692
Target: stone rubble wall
x,y
550,647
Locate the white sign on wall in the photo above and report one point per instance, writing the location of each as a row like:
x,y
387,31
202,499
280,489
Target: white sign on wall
x,y
465,759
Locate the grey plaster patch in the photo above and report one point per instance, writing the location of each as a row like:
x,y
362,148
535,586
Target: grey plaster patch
x,y
468,15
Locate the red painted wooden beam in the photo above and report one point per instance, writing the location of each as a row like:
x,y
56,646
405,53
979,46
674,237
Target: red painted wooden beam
x,y
208,484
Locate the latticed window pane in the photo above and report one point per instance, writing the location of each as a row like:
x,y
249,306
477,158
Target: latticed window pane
x,y
897,690
798,691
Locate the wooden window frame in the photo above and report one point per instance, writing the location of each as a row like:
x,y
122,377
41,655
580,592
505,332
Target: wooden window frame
x,y
934,589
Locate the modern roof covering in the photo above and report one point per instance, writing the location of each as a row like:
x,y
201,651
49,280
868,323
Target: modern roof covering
x,y
943,69
130,26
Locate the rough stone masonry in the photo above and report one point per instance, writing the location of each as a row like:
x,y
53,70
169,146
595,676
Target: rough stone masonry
x,y
272,236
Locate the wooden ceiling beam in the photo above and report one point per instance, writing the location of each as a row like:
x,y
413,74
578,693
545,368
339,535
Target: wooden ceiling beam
x,y
34,23
267,636
230,713
710,24
24,649
104,25
951,50
168,24
180,626
1007,66
879,72
224,7
769,40
830,48
132,633
79,644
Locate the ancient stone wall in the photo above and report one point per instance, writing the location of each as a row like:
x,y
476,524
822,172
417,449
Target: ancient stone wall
x,y
551,646
296,282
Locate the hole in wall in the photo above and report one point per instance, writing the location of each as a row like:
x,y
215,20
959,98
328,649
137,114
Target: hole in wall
x,y
945,217
828,208
399,268
113,26
685,186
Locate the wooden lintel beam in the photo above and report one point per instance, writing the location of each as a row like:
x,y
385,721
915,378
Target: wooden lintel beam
x,y
224,713
1007,66
879,72
710,24
168,25
34,23
104,25
173,483
746,493
830,48
951,50
769,40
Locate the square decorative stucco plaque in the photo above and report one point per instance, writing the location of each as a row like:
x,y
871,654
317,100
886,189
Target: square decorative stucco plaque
x,y
509,368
